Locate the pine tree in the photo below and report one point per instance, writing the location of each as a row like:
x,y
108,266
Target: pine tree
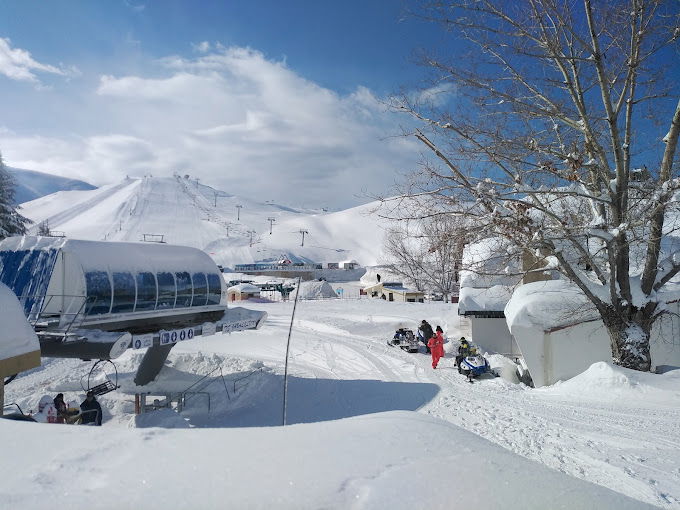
x,y
11,221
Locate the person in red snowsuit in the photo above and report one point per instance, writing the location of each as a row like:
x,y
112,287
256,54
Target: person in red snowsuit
x,y
436,345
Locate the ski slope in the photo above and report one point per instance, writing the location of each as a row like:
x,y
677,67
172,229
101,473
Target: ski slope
x,y
188,213
365,420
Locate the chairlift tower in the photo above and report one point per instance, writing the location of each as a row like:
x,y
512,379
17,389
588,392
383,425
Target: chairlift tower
x,y
251,232
271,222
238,212
303,232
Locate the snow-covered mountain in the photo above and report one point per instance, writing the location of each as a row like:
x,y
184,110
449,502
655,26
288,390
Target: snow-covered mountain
x,y
232,229
32,184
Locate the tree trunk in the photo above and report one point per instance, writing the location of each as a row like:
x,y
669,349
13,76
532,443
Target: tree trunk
x,y
630,343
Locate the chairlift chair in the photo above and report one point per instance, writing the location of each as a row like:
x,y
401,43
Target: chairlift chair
x,y
104,387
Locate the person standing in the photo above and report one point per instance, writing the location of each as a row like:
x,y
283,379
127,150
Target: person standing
x,y
436,345
90,409
425,333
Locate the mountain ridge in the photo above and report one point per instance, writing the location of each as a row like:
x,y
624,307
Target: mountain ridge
x,y
31,184
232,229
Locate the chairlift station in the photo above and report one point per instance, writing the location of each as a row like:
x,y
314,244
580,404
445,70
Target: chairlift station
x,y
96,299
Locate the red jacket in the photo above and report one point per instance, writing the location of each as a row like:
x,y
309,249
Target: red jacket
x,y
436,344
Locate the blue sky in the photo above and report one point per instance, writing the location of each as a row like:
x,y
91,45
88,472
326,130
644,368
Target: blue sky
x,y
231,92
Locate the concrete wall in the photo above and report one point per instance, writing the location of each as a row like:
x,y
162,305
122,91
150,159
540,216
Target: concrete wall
x,y
493,335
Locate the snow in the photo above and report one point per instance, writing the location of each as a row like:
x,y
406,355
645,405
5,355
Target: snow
x,y
370,426
484,300
607,382
124,257
17,336
490,262
190,214
260,468
548,304
244,288
314,290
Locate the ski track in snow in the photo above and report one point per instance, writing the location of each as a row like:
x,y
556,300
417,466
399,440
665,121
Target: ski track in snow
x,y
629,448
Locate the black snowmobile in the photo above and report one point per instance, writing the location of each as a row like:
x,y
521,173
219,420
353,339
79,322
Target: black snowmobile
x,y
405,339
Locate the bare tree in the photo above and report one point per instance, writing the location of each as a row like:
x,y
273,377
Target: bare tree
x,y
549,104
428,253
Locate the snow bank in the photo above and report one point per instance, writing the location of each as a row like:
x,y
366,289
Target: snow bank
x,y
548,304
484,300
503,366
315,290
358,462
607,382
17,336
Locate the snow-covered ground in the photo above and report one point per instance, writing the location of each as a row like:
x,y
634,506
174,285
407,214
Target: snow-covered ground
x,y
232,229
370,426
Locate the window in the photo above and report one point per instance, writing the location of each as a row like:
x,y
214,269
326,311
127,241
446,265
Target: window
x,y
146,292
98,290
200,289
123,293
184,291
214,289
166,291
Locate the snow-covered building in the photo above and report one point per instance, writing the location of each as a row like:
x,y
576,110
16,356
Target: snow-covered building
x,y
491,273
94,299
560,334
483,307
111,285
243,292
394,291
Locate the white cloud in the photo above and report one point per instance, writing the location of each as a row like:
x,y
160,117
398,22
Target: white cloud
x,y
18,64
237,120
202,47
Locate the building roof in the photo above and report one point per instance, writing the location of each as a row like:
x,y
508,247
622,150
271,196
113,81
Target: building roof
x,y
244,288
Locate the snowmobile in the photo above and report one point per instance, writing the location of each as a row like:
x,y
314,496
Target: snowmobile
x,y
474,365
405,339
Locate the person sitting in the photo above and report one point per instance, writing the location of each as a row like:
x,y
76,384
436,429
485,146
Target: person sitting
x,y
60,405
463,350
399,336
90,410
47,413
425,333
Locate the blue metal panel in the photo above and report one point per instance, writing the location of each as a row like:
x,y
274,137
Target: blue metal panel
x,y
28,273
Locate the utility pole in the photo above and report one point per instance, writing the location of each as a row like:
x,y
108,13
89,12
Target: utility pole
x,y
303,232
271,222
238,212
251,232
215,192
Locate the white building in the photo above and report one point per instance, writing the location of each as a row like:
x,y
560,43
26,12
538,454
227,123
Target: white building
x,y
560,335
